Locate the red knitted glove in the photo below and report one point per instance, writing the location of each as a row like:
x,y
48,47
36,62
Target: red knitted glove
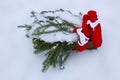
x,y
95,29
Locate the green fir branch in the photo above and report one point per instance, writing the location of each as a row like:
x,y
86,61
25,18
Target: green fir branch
x,y
56,55
27,27
58,52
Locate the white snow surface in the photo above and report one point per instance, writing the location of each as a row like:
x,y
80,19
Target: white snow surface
x,y
61,35
76,19
17,61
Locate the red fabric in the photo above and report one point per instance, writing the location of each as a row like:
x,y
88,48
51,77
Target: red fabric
x,y
92,13
94,35
75,30
80,48
85,26
85,30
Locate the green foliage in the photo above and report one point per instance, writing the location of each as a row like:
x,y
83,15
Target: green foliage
x,y
60,24
40,45
28,27
56,55
58,52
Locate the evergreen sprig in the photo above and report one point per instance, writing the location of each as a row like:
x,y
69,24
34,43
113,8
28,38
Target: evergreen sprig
x,y
58,51
56,55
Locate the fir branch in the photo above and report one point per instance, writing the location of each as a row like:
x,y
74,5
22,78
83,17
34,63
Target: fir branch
x,y
40,45
59,10
56,55
27,27
58,52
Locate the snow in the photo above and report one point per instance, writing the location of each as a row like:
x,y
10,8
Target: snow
x,y
17,61
59,36
56,36
76,19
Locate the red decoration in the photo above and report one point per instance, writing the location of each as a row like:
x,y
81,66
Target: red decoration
x,y
90,31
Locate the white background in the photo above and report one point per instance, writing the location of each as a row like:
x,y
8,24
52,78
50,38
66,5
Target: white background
x,y
18,62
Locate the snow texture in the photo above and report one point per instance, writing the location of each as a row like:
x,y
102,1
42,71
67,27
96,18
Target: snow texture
x,y
17,61
57,36
65,15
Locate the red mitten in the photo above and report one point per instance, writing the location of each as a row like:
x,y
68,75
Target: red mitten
x,y
83,34
82,39
95,28
86,28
